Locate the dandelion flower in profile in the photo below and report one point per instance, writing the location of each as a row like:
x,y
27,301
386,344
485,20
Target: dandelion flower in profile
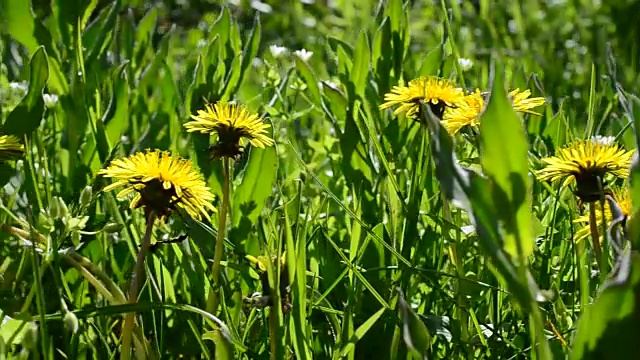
x,y
436,92
232,125
468,111
621,197
10,148
162,182
586,162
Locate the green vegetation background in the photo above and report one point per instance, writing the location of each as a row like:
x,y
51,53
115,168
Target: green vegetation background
x,y
382,265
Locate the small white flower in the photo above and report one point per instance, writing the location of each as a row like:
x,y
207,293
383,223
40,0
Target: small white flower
x,y
309,22
465,64
50,100
201,44
18,86
277,51
603,140
257,62
262,7
303,54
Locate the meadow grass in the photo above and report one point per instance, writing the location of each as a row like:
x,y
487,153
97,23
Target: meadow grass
x,y
359,233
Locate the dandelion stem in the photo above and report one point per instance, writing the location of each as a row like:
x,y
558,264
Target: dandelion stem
x,y
593,226
214,299
129,319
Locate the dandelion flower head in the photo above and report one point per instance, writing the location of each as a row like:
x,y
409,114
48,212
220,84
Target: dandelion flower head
x,y
231,124
469,110
161,182
10,148
436,92
586,162
621,197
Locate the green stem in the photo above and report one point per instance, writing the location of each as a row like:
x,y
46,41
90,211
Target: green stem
x,y
462,314
138,272
214,299
595,237
275,311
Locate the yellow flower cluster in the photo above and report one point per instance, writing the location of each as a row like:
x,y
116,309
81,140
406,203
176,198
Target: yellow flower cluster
x,y
164,183
453,106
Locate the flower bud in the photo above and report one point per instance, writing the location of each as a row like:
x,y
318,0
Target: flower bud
x,y
30,337
71,322
64,210
54,208
85,196
75,238
112,228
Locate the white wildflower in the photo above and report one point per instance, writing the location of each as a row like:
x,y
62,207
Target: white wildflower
x,y
303,54
19,86
603,140
465,64
277,51
261,7
50,100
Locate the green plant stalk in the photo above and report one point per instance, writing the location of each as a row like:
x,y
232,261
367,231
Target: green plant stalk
x,y
275,314
213,300
595,237
138,272
605,240
462,314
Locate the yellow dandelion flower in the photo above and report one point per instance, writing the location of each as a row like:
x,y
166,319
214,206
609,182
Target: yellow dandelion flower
x,y
622,198
231,124
587,162
162,182
10,148
469,110
436,92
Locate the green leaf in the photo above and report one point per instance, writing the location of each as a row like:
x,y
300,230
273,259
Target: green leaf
x,y
310,79
474,193
414,332
361,331
150,73
608,328
249,53
257,182
116,118
23,26
145,30
381,57
296,265
13,329
432,62
26,117
361,63
224,347
102,41
504,160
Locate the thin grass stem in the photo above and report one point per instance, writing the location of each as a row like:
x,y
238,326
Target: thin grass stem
x,y
138,272
213,301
